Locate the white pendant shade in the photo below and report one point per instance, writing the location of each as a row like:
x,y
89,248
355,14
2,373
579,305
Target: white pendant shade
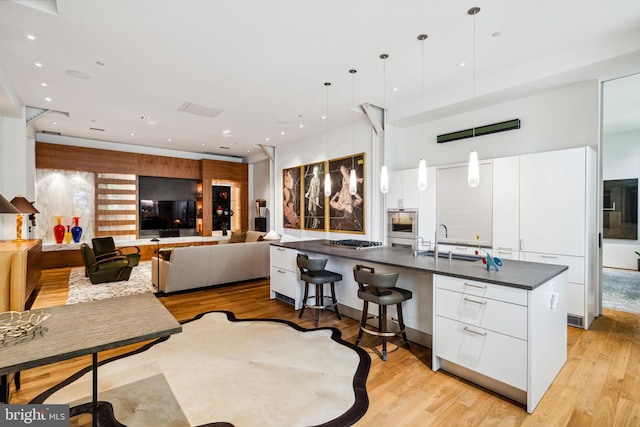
x,y
384,180
422,175
474,169
327,184
353,185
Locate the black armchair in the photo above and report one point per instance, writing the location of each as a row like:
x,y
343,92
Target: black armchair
x,y
107,269
105,247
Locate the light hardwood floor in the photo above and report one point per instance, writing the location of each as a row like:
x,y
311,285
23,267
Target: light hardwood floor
x,y
598,386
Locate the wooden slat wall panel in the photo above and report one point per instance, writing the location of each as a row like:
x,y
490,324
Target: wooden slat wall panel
x,y
111,202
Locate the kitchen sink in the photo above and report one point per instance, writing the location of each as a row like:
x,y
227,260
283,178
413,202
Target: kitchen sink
x,y
462,257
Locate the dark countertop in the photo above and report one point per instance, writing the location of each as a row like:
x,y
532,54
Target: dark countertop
x,y
517,274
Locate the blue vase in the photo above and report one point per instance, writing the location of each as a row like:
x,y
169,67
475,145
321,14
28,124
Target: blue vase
x,y
76,230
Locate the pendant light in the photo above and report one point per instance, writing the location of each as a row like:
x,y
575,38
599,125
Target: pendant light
x,y
327,176
353,184
473,178
422,165
384,174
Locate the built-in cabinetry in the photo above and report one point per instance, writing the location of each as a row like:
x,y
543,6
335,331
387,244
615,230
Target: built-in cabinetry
x,y
284,276
544,211
510,340
221,203
403,192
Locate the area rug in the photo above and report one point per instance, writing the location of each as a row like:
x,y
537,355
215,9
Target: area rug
x,y
226,371
82,290
621,290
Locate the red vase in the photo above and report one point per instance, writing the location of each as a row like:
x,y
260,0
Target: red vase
x,y
58,230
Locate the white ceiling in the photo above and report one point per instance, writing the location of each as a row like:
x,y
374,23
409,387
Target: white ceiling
x,y
264,63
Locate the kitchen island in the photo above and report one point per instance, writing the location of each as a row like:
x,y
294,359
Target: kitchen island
x,y
505,330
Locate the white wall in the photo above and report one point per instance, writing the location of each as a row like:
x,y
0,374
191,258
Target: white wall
x,y
17,165
562,118
621,160
258,187
326,146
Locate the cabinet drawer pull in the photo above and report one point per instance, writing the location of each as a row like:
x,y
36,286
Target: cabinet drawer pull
x,y
550,256
474,301
474,286
484,334
462,248
505,250
281,271
281,249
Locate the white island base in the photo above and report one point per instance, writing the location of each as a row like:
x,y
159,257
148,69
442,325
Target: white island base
x,y
509,340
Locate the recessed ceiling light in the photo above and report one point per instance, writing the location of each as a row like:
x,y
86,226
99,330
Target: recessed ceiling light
x,y
496,34
30,36
54,123
38,64
132,134
395,89
282,133
202,144
226,132
267,139
47,99
169,139
300,125
43,84
462,64
144,116
323,117
248,151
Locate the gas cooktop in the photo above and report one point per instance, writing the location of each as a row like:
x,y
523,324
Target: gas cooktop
x,y
355,244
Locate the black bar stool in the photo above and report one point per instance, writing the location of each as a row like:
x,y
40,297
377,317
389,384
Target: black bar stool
x,y
312,271
380,288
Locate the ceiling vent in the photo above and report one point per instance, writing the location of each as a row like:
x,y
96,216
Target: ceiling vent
x,y
199,110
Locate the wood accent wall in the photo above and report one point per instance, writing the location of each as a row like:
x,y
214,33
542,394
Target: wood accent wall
x,y
236,172
56,156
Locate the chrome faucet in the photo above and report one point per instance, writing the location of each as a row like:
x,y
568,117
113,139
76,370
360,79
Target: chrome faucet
x,y
416,247
435,240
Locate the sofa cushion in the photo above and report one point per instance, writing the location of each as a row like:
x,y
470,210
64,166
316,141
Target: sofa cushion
x,y
254,236
237,237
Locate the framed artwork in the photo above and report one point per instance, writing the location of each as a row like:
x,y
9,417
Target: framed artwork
x,y
291,197
346,211
314,203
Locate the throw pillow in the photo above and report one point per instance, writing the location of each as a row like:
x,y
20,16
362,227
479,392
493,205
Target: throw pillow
x,y
237,237
253,236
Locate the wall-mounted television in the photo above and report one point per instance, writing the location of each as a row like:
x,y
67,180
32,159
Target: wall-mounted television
x,y
158,215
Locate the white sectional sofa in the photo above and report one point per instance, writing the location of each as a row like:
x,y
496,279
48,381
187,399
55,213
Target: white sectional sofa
x,y
193,267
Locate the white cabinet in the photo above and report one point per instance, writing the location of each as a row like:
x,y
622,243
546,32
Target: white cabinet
x,y
510,340
506,207
552,202
403,189
284,283
544,210
403,185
